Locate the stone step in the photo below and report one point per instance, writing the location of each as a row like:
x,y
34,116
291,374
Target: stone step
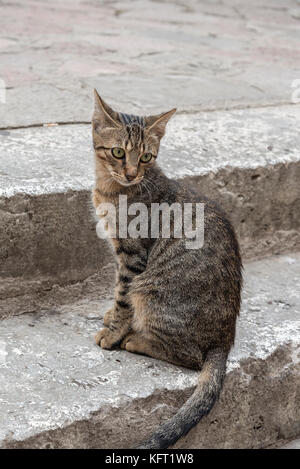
x,y
248,160
59,390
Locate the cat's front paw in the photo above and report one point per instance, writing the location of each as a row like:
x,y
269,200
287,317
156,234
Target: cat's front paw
x,y
108,339
108,317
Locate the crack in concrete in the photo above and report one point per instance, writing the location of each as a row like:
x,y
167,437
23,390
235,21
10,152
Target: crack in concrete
x,y
237,107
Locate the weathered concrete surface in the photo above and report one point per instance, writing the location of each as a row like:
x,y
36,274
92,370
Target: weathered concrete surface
x,y
57,159
57,389
19,295
246,160
45,241
143,54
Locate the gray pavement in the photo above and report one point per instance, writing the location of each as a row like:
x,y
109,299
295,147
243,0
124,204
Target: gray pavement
x,y
145,55
58,389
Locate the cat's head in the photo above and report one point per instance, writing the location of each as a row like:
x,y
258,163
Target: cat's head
x,y
126,146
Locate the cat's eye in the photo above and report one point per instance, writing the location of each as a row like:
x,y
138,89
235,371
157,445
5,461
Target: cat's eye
x,y
146,157
118,152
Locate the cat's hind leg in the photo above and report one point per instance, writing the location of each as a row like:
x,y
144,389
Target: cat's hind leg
x,y
136,342
157,336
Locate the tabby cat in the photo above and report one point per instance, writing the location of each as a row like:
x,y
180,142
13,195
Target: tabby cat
x,y
171,303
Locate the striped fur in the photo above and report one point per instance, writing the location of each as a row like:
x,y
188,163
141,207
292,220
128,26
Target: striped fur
x,y
171,303
131,119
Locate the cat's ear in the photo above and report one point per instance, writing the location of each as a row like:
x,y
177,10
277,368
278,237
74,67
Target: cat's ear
x,y
104,115
157,124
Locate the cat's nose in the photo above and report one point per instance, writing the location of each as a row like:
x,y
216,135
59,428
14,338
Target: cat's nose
x,y
130,177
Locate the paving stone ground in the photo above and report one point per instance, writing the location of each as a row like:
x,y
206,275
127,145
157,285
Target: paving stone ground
x,y
146,55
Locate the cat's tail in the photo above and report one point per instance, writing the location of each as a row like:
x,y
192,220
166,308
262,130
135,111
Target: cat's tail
x,y
199,404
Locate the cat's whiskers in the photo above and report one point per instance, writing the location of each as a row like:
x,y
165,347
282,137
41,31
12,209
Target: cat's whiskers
x,y
144,184
151,183
150,186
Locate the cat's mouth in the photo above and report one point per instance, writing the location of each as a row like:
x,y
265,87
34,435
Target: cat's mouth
x,y
125,182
